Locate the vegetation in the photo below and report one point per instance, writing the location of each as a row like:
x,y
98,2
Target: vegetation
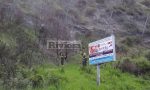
x,y
25,27
146,3
77,78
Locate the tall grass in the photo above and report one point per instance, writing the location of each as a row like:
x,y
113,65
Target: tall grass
x,y
74,77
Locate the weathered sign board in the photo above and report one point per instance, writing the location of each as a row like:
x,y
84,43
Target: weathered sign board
x,y
102,51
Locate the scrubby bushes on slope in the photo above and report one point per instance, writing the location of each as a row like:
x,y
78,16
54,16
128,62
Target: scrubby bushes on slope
x,y
137,66
148,55
128,66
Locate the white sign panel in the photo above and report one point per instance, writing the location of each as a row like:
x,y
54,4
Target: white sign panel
x,y
102,51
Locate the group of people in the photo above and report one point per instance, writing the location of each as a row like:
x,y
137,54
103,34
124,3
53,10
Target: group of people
x,y
63,58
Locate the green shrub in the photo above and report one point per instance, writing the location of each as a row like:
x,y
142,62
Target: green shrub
x,y
131,41
128,41
4,50
144,66
37,81
87,69
128,66
62,70
55,80
21,83
122,49
148,56
146,76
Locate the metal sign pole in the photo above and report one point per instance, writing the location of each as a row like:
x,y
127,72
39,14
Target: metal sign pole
x,y
98,74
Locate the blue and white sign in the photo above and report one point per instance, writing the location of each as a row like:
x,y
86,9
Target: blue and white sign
x,y
102,51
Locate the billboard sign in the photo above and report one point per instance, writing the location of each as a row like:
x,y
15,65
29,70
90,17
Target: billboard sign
x,y
102,51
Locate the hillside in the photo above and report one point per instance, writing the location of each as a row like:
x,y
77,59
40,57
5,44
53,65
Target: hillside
x,y
76,78
26,25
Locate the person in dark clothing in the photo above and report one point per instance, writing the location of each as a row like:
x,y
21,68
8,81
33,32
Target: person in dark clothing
x,y
84,60
62,59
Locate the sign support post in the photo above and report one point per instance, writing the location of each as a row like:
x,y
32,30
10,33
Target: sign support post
x,y
98,74
102,51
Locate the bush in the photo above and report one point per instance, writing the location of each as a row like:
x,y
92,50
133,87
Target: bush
x,y
55,80
21,80
135,53
144,66
128,66
21,83
122,50
87,70
147,76
4,50
130,41
148,56
37,81
7,64
139,66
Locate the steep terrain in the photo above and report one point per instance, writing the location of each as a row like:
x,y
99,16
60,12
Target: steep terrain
x,y
96,19
26,25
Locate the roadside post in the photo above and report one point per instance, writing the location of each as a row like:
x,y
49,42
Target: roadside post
x,y
102,51
98,74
